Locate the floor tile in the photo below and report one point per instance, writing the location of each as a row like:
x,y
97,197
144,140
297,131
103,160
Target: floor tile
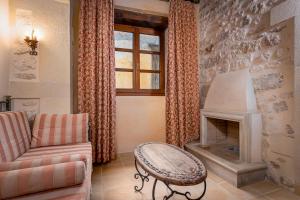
x,y
260,198
238,192
262,187
282,195
114,170
214,177
116,181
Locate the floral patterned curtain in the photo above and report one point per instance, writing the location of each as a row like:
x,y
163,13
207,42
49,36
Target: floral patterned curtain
x,y
96,76
183,98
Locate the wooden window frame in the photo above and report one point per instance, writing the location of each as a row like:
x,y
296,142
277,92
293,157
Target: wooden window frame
x,y
136,91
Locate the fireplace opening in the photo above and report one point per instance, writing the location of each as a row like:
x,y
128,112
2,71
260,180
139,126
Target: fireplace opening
x,y
223,138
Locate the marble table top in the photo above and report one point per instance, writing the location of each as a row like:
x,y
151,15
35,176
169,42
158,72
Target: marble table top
x,y
170,164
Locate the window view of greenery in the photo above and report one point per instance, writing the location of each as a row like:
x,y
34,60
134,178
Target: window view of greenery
x,y
137,61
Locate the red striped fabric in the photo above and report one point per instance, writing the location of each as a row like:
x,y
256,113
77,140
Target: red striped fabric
x,y
14,135
53,129
58,194
44,152
81,196
37,162
37,179
58,151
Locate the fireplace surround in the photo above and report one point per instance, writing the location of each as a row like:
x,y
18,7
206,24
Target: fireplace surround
x,y
249,133
231,97
234,154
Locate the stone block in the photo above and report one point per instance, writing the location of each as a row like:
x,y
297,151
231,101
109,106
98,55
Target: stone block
x,y
297,41
280,106
270,39
282,145
282,169
268,81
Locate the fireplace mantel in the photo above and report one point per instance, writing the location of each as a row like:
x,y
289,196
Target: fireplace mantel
x,y
232,91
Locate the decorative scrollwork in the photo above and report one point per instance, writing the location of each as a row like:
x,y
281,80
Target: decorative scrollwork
x,y
199,172
198,175
142,177
186,194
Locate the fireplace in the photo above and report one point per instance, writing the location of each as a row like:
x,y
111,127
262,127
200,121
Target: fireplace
x,y
223,138
248,142
231,130
230,124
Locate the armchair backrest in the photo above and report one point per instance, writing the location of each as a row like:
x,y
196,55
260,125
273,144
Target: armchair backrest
x,y
15,135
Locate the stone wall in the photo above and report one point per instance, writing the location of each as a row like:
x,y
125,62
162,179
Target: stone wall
x,y
236,34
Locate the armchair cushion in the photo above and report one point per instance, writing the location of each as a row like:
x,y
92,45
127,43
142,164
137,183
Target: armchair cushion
x,y
15,135
37,162
54,129
37,179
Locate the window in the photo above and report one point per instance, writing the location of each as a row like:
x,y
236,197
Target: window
x,y
139,61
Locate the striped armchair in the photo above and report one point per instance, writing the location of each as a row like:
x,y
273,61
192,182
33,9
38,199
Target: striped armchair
x,y
53,161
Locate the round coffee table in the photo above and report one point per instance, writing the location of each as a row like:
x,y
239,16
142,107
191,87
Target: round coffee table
x,y
170,165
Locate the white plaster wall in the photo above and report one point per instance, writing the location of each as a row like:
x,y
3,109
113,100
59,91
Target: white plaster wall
x,y
147,6
4,46
140,118
52,19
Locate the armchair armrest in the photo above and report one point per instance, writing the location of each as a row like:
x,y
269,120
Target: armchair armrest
x,y
37,179
23,164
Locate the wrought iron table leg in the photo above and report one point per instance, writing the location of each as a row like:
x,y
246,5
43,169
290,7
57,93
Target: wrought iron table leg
x,y
187,194
140,175
145,178
153,189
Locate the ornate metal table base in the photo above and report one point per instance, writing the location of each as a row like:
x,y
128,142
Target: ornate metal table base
x,y
140,175
145,178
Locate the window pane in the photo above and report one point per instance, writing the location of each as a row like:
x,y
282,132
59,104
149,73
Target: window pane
x,y
149,80
123,40
149,42
124,80
123,59
149,61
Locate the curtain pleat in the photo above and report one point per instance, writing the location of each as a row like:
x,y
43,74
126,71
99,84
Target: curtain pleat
x,y
183,90
96,75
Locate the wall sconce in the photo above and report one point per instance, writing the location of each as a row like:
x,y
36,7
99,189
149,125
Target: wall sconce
x,y
32,43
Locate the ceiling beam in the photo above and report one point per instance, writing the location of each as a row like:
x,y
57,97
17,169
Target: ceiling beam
x,y
140,19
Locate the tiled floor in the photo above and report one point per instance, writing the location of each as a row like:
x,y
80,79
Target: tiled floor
x,y
115,181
